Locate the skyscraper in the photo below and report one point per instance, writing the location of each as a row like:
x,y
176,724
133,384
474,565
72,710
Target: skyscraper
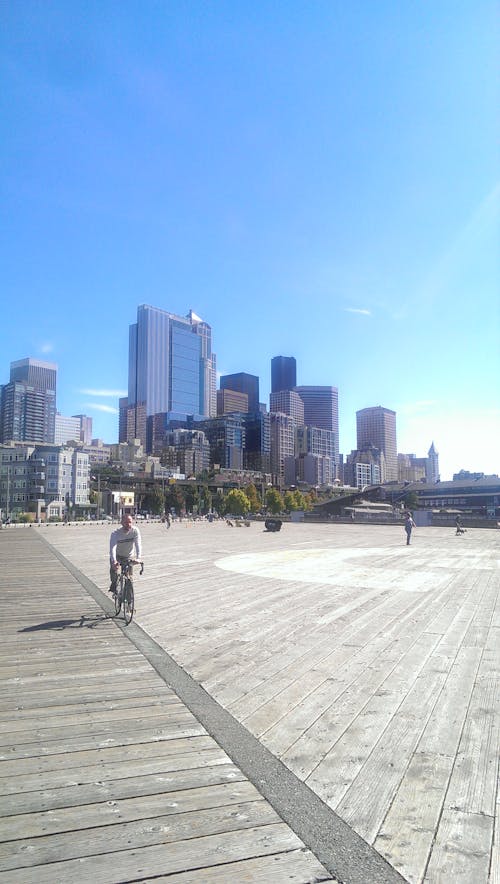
x,y
377,426
172,370
243,383
288,402
283,373
28,402
321,409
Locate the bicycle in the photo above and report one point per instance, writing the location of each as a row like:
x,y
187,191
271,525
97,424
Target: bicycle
x,y
124,596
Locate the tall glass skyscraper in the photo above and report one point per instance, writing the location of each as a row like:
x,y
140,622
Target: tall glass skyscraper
x,y
172,370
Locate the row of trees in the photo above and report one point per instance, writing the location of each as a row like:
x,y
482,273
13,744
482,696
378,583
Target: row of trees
x,y
238,501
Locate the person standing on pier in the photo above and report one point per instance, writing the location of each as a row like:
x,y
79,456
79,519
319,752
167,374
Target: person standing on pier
x,y
409,526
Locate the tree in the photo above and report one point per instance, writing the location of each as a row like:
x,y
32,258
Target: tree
x,y
253,498
411,500
288,501
237,502
191,497
174,498
205,499
299,500
154,501
274,501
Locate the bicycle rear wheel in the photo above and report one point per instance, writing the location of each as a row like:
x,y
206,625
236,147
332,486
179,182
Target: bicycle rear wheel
x,y
128,601
118,595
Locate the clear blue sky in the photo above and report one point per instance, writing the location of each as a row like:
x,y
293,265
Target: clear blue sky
x,y
316,179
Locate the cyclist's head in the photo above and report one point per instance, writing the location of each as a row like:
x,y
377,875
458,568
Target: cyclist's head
x,y
127,521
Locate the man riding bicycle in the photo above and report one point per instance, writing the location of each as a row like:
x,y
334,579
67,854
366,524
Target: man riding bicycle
x,y
121,543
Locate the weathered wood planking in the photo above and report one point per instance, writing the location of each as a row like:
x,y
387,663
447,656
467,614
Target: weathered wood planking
x,y
104,773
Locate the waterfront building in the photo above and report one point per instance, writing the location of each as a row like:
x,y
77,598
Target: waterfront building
x,y
172,371
283,374
377,427
28,402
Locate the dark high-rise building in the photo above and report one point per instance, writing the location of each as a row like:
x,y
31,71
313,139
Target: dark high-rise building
x,y
28,402
243,383
283,373
377,426
171,370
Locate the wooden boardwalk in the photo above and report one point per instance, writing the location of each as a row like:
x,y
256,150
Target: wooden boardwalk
x,y
370,669
105,775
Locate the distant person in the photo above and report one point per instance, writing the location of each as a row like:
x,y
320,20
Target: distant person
x,y
458,524
409,526
121,544
168,520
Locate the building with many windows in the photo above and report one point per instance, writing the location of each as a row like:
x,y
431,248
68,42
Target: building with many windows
x,y
321,409
78,428
377,427
229,401
282,444
172,371
28,402
288,402
226,437
32,477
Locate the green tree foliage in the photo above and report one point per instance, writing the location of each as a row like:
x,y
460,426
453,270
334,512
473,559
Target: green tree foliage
x,y
174,498
411,500
253,498
192,497
237,502
274,501
154,501
205,499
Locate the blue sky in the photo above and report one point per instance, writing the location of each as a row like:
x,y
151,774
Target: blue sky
x,y
316,179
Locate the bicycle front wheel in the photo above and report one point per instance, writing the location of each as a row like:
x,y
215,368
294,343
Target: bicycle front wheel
x,y
118,595
128,601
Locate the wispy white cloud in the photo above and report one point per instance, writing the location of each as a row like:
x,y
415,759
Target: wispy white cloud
x,y
360,310
46,347
98,406
103,392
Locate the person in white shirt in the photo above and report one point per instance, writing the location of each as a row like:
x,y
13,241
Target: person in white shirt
x,y
122,543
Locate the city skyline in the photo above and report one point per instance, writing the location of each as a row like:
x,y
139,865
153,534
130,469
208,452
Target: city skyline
x,y
295,179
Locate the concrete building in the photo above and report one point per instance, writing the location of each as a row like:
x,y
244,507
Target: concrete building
x,y
282,429
283,374
172,371
377,427
28,402
364,467
321,409
411,468
187,451
78,428
321,445
432,466
288,402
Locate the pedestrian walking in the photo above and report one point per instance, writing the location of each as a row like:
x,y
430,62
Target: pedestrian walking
x,y
409,526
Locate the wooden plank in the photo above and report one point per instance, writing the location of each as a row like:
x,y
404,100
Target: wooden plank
x,y
299,866
406,836
113,790
462,848
159,830
211,850
85,816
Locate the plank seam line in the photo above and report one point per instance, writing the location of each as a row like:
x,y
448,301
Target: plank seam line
x,y
343,852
